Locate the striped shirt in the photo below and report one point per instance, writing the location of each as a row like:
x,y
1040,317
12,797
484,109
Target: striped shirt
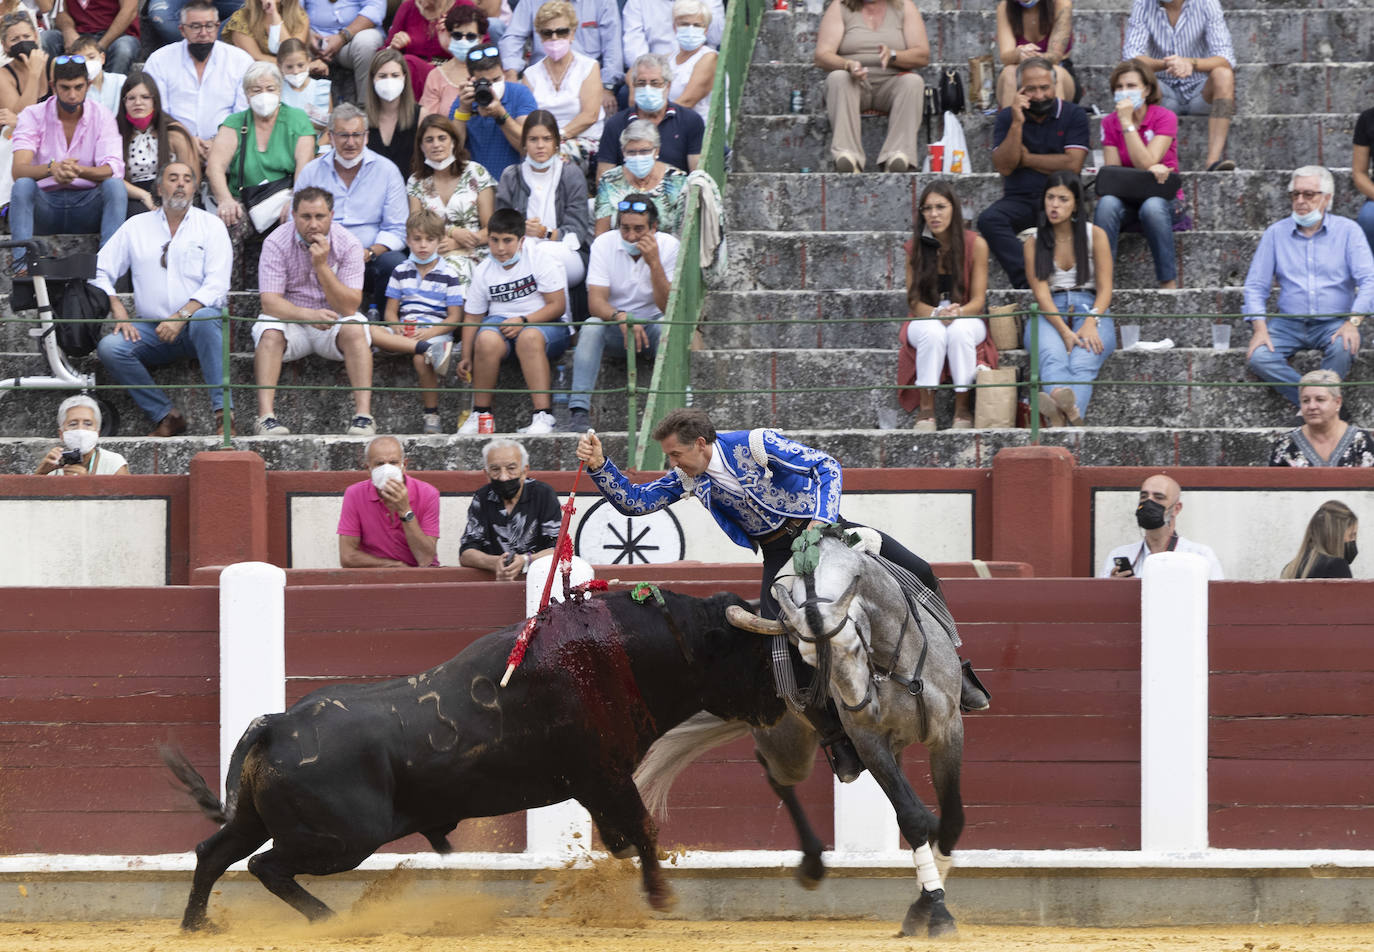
x,y
285,267
1200,32
425,298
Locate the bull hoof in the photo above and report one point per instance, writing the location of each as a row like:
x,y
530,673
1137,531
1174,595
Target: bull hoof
x,y
811,871
663,900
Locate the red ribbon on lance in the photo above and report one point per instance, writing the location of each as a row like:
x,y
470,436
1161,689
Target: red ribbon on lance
x,y
563,553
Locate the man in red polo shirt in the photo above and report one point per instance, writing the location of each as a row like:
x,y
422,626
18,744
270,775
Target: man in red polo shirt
x,y
390,519
113,23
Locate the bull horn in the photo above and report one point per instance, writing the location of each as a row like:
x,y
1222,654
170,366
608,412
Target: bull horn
x,y
744,619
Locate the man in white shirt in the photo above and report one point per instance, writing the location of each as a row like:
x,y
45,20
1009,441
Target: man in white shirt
x,y
628,280
181,259
649,27
514,307
200,79
1157,513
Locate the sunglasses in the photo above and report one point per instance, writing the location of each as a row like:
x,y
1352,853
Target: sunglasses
x,y
627,206
470,37
562,32
58,61
1305,196
485,53
164,254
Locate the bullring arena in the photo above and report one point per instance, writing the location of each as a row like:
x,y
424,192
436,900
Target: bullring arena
x,y
1172,764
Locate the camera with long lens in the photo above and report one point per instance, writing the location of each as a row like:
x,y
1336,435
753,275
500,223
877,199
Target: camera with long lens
x,y
481,92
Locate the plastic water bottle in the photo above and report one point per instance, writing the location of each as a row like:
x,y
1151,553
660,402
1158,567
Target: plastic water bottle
x,y
798,103
372,314
687,396
560,386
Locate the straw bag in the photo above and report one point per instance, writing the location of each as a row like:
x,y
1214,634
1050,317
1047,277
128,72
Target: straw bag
x,y
1005,326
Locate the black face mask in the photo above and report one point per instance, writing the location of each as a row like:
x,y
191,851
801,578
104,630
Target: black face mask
x,y
201,51
1041,107
1149,515
1351,550
507,489
22,48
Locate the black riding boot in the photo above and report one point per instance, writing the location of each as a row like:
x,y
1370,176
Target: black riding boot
x,y
973,696
839,749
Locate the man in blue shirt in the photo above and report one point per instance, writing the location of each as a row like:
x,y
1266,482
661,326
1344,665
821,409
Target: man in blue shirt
x,y
1324,267
347,32
680,130
493,129
597,35
369,197
1034,136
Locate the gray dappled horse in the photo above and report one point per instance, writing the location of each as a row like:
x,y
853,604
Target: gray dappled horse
x,y
894,675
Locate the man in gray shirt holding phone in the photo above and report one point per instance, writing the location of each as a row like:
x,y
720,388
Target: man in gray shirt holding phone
x,y
1157,512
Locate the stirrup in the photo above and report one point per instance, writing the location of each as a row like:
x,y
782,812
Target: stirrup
x,y
972,695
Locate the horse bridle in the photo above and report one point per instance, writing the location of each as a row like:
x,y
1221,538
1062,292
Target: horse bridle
x,y
915,685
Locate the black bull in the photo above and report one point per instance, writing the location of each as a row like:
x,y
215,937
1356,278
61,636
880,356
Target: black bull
x,y
352,767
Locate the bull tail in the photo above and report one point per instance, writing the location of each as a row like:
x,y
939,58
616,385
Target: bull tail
x,y
180,766
672,752
195,784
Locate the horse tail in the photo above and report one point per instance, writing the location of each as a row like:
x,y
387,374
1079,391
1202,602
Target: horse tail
x,y
672,752
181,767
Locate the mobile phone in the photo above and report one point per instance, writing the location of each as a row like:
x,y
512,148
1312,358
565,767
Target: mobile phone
x,y
1123,564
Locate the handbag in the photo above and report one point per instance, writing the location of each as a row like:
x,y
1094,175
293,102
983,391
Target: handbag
x,y
951,90
1004,326
264,202
1135,185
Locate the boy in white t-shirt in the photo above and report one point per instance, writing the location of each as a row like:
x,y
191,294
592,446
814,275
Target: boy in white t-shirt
x,y
628,280
515,307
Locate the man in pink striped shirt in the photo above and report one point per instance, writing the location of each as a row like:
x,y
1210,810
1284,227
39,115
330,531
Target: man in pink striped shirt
x,y
68,163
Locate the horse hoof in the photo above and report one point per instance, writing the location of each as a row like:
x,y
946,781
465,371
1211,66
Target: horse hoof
x,y
663,900
942,930
811,871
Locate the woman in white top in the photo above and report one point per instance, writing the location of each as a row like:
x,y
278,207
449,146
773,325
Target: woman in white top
x,y
445,180
566,83
694,67
1069,267
78,424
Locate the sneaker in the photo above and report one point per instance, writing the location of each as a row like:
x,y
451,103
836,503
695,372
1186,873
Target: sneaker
x,y
847,164
432,424
362,425
579,421
270,426
1222,165
473,424
438,356
898,164
541,422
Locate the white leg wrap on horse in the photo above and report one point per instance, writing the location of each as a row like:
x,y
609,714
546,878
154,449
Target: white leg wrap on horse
x,y
926,872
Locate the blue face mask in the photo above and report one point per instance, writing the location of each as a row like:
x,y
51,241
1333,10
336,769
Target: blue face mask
x,y
690,38
423,260
459,49
649,99
631,249
1308,220
512,260
1137,100
540,166
1030,3
640,165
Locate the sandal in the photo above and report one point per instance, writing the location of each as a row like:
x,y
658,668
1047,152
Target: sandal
x,y
962,422
1049,410
1063,398
924,424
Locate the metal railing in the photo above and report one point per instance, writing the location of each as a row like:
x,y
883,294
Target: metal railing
x,y
670,386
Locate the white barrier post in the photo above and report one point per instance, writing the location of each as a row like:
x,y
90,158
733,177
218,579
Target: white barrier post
x,y
252,650
1173,704
563,829
864,819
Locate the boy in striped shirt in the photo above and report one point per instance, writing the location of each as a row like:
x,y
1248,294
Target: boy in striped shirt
x,y
424,305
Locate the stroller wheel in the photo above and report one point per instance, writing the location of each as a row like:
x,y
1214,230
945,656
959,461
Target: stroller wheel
x,y
109,418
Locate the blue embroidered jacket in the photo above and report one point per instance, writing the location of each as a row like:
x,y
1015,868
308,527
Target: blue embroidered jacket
x,y
781,479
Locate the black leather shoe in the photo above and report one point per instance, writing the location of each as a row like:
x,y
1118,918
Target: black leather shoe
x,y
973,696
844,759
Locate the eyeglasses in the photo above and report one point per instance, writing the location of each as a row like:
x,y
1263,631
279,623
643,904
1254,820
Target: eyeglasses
x,y
201,27
349,136
562,32
470,37
486,52
627,206
78,58
636,153
1305,196
654,83
164,255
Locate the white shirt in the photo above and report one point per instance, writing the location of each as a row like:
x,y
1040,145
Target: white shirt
x,y
517,291
1139,554
565,102
199,260
720,473
628,278
200,104
649,29
108,94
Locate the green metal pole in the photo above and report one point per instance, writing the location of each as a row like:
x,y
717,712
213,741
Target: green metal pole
x,y
631,393
226,332
1035,374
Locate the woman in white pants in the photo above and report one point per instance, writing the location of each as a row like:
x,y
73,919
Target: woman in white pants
x,y
552,195
946,288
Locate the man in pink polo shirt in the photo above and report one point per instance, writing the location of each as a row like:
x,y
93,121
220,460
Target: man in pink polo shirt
x,y
390,519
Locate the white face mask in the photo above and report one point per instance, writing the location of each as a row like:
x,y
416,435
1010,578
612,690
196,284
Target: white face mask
x,y
440,165
93,69
498,89
381,475
298,80
274,38
264,104
348,163
83,441
389,89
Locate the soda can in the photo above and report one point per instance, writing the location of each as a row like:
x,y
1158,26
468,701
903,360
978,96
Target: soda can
x,y
798,103
781,5
486,423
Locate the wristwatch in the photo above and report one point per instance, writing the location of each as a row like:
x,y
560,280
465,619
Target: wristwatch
x,y
409,516
1355,320
347,35
1130,129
